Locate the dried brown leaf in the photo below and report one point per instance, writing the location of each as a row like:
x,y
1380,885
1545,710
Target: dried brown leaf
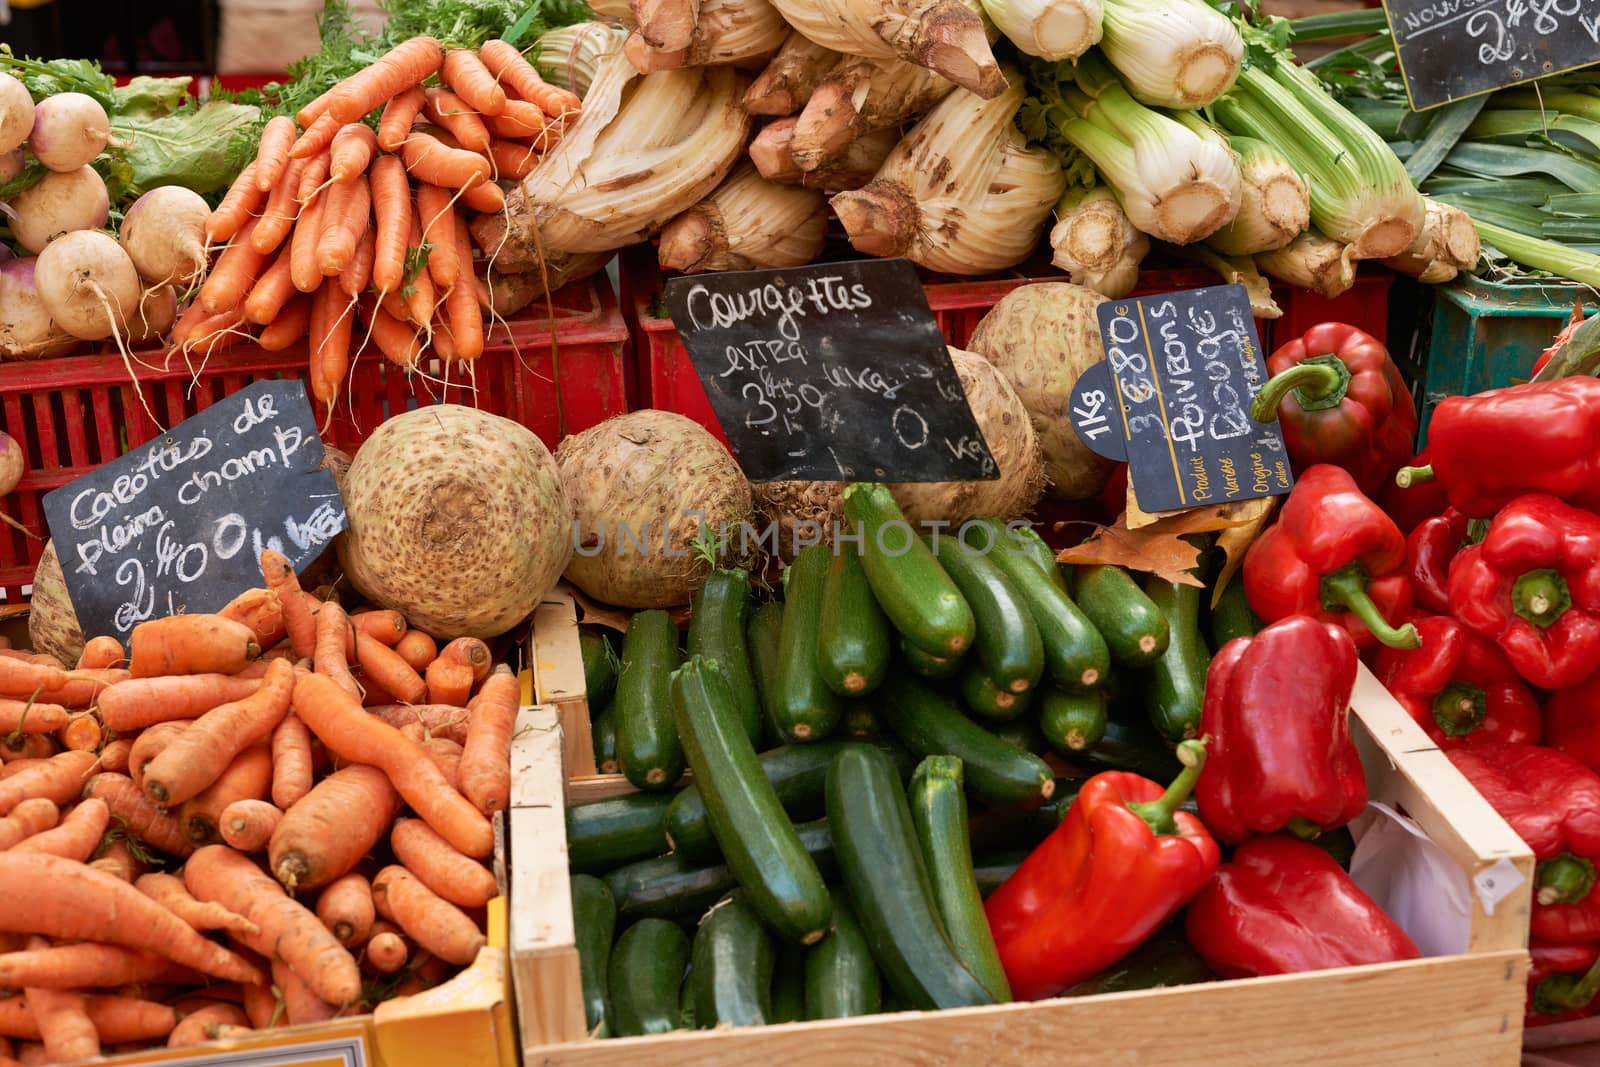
x,y
1157,546
1235,539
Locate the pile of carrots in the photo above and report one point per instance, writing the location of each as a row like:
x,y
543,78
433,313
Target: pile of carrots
x,y
272,815
335,216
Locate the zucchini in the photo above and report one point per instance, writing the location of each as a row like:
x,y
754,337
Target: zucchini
x,y
608,833
648,748
939,816
763,638
789,985
853,633
599,666
861,721
1175,684
732,969
929,666
594,923
1008,643
1072,722
1018,827
841,979
988,699
1023,539
915,592
686,1019
671,887
1231,616
888,883
797,774
644,976
1023,733
1131,744
757,840
805,708
929,724
717,635
1075,654
603,732
991,872
1136,632
1165,960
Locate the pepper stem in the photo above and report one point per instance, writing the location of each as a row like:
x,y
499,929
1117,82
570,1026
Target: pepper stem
x,y
1567,992
1159,813
1564,879
1541,597
1303,828
1406,477
1459,708
1317,383
1347,588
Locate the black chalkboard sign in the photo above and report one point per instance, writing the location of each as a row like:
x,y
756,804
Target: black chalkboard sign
x,y
179,524
832,371
1173,399
1449,49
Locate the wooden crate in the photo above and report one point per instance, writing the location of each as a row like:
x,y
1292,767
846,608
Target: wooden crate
x,y
1463,1010
558,677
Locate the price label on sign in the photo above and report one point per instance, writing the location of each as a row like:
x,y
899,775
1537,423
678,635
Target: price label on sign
x,y
339,1043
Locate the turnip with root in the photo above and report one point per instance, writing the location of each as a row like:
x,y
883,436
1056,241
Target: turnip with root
x,y
12,465
69,130
16,113
158,310
89,285
52,621
11,164
164,233
26,329
59,204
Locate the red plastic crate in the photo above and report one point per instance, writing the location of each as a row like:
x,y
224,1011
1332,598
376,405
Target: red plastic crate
x,y
1364,305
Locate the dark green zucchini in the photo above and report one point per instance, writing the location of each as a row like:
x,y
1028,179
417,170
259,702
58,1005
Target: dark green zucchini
x,y
1019,538
717,635
1165,960
594,923
764,639
990,700
853,640
599,666
992,870
644,975
789,985
1072,722
1131,744
797,774
603,834
603,732
805,708
1008,644
1232,616
1175,684
841,978
1023,733
861,720
930,666
908,582
1136,633
929,724
732,970
647,740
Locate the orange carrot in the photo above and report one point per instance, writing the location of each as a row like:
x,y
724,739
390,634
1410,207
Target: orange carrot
x,y
446,755
149,744
399,115
290,325
190,644
391,206
83,687
518,75
438,219
352,734
58,779
346,217
234,273
84,904
486,199
486,757
287,930
141,702
272,290
317,138
277,218
387,626
262,611
315,110
207,1023
114,755
199,755
247,825
17,766
330,344
236,208
26,717
437,720
81,966
263,1007
459,118
345,908
298,618
78,835
303,265
117,1020
417,649
428,159
141,818
398,342
62,1016
117,860
26,747
512,161
272,157
291,762
101,652
219,332
382,664
334,633
301,1005
386,951
417,289
326,834
397,70
449,682
519,120
170,892
454,877
312,177
428,919
19,678
32,816
351,152
354,278
84,733
248,777
464,72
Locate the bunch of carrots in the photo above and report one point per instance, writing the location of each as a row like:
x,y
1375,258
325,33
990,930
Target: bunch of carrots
x,y
338,216
325,780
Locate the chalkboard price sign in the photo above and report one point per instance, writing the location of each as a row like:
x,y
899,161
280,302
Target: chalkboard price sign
x,y
832,371
179,524
1450,49
1173,399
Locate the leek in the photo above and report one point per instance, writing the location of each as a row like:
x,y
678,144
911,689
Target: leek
x,y
1311,261
1444,131
1275,207
1540,254
1338,24
1517,127
1578,205
749,223
1506,161
1581,104
568,56
1172,53
1050,29
1516,190
1528,221
1447,245
1095,243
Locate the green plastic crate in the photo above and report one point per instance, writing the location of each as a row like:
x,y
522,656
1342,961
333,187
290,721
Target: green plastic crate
x,y
1487,334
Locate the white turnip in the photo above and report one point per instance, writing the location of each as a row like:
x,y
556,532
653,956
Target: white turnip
x,y
88,284
158,310
164,233
26,329
12,464
59,204
11,164
16,113
69,130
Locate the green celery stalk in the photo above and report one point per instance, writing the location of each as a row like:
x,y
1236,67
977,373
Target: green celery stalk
x,y
1540,254
1338,24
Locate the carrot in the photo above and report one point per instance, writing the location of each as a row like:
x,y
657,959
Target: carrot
x,y
487,199
191,644
290,325
118,1020
170,892
83,733
236,208
454,877
19,678
286,930
33,816
398,342
219,332
247,825
334,636
317,138
351,152
277,217
428,919
298,618
114,755
272,290
417,649
388,76
418,289
301,1004
387,626
459,118
150,743
247,777
62,1016
391,206
311,178
382,664
262,611
345,217
291,762
464,72
445,754
199,755
437,218
330,345
78,835
352,734
272,157
263,1007
26,717
142,702
101,652
82,904
26,747
428,159
486,757
438,720
354,278
386,951
83,687
16,766
449,682
519,120
81,966
234,272
57,779
141,818
399,115
518,75
206,1023
512,161
326,834
345,908
303,266
117,860
314,110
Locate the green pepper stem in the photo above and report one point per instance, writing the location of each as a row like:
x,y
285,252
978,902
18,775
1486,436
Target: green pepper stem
x,y
1566,992
1459,708
1159,813
1347,588
1303,828
1317,383
1406,477
1564,879
1541,597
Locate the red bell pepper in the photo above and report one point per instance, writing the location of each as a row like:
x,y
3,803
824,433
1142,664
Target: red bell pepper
x,y
1533,587
1276,722
1119,865
1562,982
1284,906
1339,399
1560,339
1572,722
1553,803
1333,555
1460,687
1538,437
1412,505
1429,549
